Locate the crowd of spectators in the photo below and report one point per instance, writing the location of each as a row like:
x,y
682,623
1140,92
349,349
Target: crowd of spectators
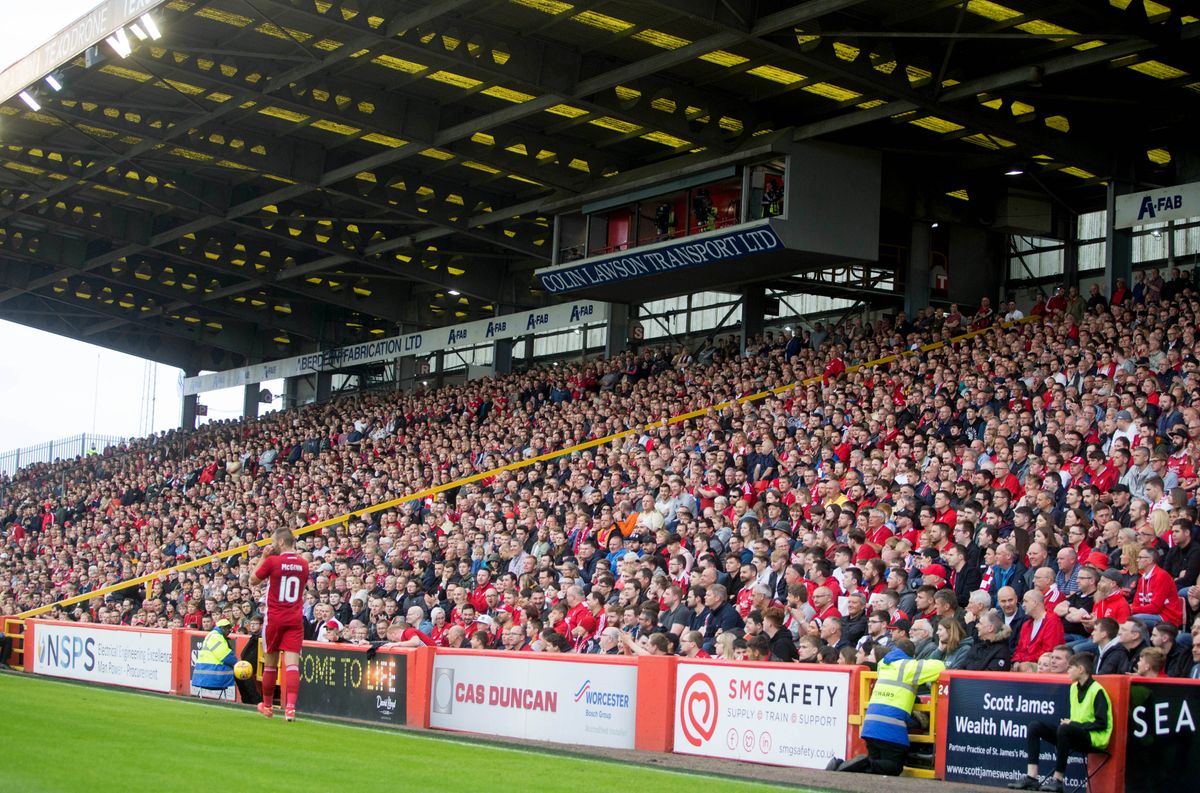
x,y
1000,501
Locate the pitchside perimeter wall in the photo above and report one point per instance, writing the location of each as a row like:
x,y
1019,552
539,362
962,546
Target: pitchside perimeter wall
x,y
779,714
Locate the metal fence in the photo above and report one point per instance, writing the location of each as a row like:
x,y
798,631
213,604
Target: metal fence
x,y
49,451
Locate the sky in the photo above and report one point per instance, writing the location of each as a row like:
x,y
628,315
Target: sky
x,y
53,387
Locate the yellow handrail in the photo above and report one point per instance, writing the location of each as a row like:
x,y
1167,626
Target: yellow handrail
x,y
18,637
866,681
142,579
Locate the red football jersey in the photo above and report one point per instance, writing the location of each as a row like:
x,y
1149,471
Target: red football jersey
x,y
286,575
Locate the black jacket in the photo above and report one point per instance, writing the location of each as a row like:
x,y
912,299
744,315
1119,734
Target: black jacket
x,y
854,628
1183,564
966,581
984,656
725,618
1114,662
783,647
1179,661
1015,627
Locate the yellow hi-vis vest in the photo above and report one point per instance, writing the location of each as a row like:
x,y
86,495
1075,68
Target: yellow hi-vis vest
x,y
1085,711
214,663
894,695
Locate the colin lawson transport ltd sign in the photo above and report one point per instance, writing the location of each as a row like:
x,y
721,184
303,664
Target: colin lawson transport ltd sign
x,y
703,249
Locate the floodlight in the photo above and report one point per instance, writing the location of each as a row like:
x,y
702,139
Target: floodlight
x,y
53,82
151,27
28,99
120,43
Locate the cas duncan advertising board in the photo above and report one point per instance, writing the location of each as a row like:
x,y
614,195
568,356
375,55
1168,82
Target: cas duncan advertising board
x,y
779,716
346,684
987,727
593,704
130,658
1161,751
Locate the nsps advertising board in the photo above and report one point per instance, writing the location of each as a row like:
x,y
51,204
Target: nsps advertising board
x,y
345,684
113,656
988,724
592,704
793,717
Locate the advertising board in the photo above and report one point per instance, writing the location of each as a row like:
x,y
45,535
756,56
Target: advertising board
x,y
589,703
762,714
343,683
1158,206
94,654
1160,753
465,335
987,725
702,249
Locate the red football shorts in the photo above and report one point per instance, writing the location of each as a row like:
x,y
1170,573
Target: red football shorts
x,y
286,638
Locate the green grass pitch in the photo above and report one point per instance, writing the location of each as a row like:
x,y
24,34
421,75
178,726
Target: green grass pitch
x,y
64,737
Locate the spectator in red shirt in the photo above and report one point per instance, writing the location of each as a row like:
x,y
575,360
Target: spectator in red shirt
x,y
691,645
824,604
401,634
1041,632
1110,599
483,582
1155,598
1103,474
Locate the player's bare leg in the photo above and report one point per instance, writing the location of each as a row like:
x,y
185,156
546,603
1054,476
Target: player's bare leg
x,y
291,683
270,670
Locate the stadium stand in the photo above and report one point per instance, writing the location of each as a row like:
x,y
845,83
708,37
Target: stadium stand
x,y
995,499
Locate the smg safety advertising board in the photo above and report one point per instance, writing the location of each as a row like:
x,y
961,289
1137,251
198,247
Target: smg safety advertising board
x,y
775,715
589,703
1161,750
346,684
988,720
114,656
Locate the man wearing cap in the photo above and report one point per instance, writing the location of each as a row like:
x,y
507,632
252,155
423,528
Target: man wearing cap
x,y
212,674
1125,428
330,632
1122,498
934,575
1078,470
1110,599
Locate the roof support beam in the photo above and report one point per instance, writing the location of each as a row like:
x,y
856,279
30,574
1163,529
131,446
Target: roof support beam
x,y
272,84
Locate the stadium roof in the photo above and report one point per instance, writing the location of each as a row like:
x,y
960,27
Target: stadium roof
x,y
274,176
